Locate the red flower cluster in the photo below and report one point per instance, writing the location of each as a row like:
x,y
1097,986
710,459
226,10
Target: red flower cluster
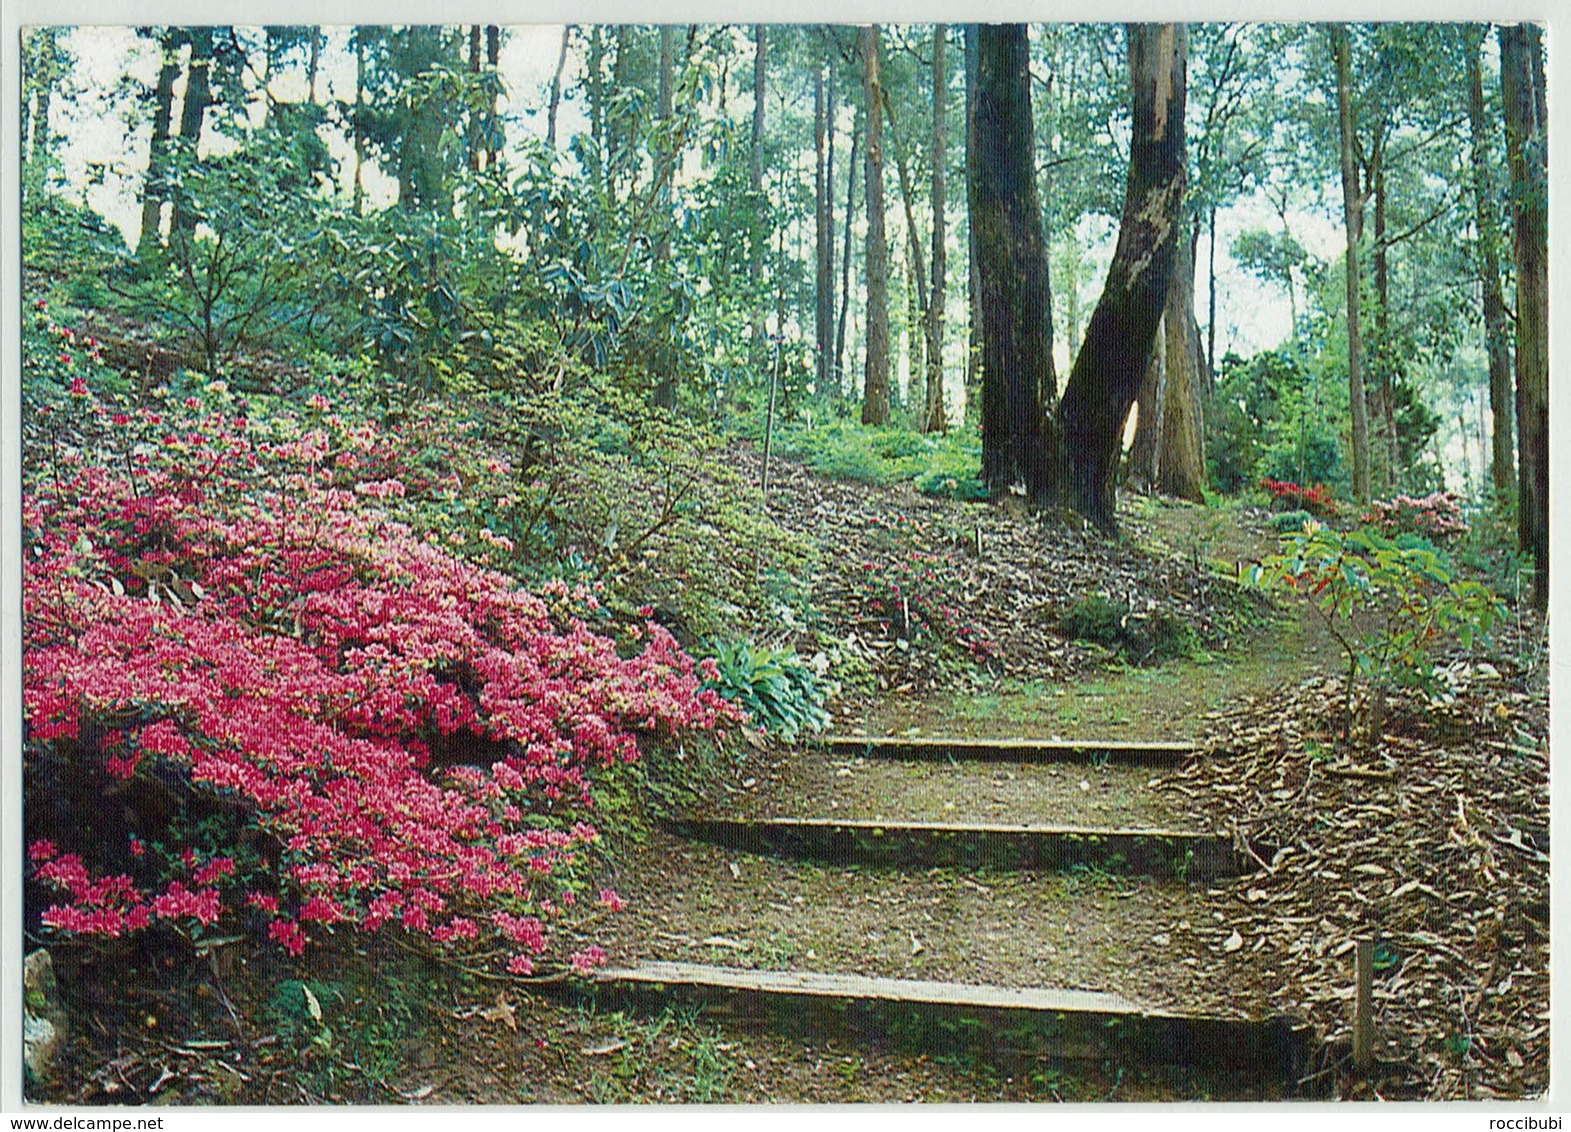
x,y
253,624
1289,496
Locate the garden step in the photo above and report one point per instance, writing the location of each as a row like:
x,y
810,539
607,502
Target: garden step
x,y
1154,752
922,845
1010,1026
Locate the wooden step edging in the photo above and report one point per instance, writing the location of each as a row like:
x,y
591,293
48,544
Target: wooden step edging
x,y
1140,852
1010,1026
1118,752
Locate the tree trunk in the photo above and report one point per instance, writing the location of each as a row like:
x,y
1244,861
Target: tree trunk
x,y
493,58
973,377
665,159
154,192
1292,331
933,418
1019,446
46,67
875,384
1521,82
916,265
355,122
845,258
756,183
193,110
1145,453
823,236
1181,468
1112,360
556,88
1384,354
476,145
1353,220
1496,343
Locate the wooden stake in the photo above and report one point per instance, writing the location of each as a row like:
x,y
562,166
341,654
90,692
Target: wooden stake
x,y
1363,1006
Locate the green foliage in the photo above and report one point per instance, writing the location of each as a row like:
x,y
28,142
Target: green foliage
x,y
1272,417
948,465
778,688
1146,638
69,243
1290,521
1389,606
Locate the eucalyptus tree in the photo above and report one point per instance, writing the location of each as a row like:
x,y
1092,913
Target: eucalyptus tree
x,y
1523,94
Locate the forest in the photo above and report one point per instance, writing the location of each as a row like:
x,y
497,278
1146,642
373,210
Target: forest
x,y
752,563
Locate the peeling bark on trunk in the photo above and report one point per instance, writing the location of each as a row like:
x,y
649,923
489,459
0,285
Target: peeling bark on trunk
x,y
1496,333
1353,220
1019,441
875,387
1521,82
1111,362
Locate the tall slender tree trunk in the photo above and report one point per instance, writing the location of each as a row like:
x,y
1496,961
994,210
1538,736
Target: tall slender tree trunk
x,y
154,191
493,58
1496,341
357,124
1292,331
875,385
556,88
46,67
845,257
664,360
934,419
314,64
755,271
1181,471
973,376
1019,445
1384,355
916,265
1522,82
193,111
823,235
1112,359
476,147
1353,221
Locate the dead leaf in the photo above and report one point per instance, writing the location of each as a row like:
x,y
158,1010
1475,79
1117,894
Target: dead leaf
x,y
604,1048
1233,942
502,1012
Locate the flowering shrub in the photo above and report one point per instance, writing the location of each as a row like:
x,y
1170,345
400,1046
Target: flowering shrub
x,y
360,727
1289,496
906,597
1437,516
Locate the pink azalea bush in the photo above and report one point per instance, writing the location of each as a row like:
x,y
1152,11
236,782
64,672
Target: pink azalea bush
x,y
229,607
1437,516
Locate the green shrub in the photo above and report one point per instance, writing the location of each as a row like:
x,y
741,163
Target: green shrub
x,y
1143,638
1290,521
1406,594
777,687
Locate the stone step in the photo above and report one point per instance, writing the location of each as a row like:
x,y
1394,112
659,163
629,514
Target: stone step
x,y
1012,1027
1116,751
924,845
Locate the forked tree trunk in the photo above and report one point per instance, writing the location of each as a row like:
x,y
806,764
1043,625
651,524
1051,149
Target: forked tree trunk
x,y
1496,333
1019,444
875,386
933,418
1521,82
1112,360
1353,221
